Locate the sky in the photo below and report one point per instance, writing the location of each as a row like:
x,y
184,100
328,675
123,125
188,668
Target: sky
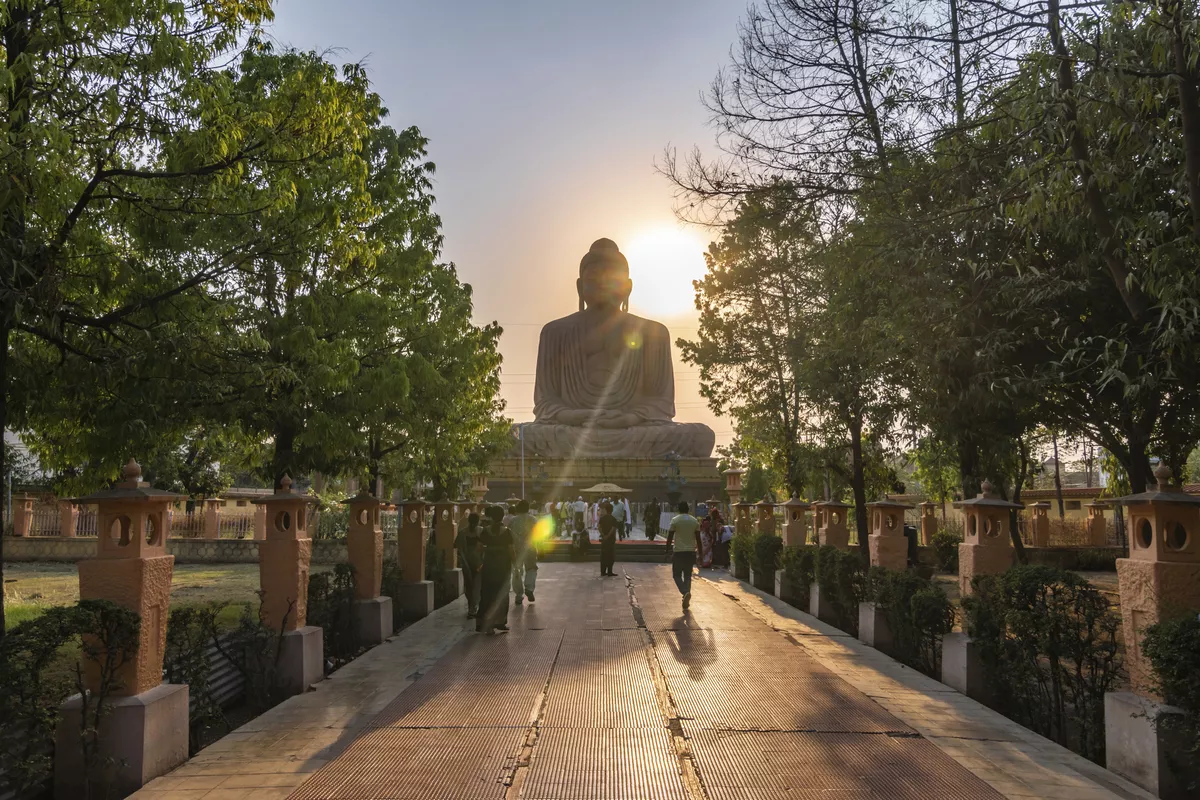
x,y
546,119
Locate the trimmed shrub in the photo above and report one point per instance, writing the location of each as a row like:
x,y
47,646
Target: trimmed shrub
x,y
1173,648
842,578
798,565
945,548
918,614
1048,642
190,632
741,550
764,558
392,577
331,606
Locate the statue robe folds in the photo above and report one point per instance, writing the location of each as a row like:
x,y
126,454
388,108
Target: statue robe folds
x,y
605,389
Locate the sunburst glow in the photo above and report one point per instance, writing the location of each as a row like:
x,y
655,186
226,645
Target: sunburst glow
x,y
663,262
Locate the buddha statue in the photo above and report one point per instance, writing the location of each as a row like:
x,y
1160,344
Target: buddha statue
x,y
604,386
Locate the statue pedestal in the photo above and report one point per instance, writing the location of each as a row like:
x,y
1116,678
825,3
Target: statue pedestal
x,y
143,736
375,623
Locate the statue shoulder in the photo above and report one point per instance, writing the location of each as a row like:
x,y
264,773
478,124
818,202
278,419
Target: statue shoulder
x,y
651,329
569,322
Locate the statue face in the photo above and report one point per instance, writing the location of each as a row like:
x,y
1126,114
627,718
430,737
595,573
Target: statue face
x,y
604,286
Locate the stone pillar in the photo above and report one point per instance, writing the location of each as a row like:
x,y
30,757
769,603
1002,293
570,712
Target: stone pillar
x,y
887,543
733,485
794,531
22,515
145,731
764,517
212,518
1159,581
1039,524
1097,526
929,522
743,521
68,514
260,523
284,558
987,544
832,531
479,487
445,531
364,546
416,593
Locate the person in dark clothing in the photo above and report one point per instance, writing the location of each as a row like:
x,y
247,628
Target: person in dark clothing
x,y
651,516
470,557
608,525
498,557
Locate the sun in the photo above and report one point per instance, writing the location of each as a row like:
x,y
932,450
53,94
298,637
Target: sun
x,y
663,262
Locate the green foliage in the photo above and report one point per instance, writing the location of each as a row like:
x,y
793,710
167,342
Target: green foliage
x,y
741,550
918,614
42,662
799,569
1173,648
331,607
390,586
1048,642
190,633
945,547
253,648
841,575
764,555
333,523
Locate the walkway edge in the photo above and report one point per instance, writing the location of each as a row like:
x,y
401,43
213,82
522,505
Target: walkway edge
x,y
1014,760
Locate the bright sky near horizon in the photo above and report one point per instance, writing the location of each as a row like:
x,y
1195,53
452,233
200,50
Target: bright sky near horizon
x,y
545,120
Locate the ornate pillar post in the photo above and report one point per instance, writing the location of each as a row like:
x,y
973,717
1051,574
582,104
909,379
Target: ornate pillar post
x,y
68,513
416,593
832,531
764,517
733,486
22,515
212,518
887,544
929,522
445,531
1039,524
284,558
364,546
987,545
743,521
146,729
795,533
1097,526
479,487
1160,581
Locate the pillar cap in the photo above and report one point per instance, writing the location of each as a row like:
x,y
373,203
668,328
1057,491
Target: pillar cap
x,y
796,502
832,504
887,502
132,487
284,494
363,498
1042,504
1163,492
987,498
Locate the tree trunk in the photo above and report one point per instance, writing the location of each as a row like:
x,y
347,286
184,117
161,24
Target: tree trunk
x,y
1062,511
1014,530
858,481
284,457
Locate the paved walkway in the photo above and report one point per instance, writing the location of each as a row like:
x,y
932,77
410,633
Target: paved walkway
x,y
605,690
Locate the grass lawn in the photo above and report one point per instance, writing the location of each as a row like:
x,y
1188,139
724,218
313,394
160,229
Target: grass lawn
x,y
30,588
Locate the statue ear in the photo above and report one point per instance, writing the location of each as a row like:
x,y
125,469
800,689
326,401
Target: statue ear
x,y
579,291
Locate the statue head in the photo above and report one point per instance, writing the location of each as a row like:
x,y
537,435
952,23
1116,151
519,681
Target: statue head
x,y
604,277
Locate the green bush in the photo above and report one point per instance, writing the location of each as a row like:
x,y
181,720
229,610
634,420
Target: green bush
x,y
253,648
798,565
741,549
331,606
389,586
1048,643
945,547
191,630
333,523
842,578
764,557
42,662
918,614
1173,648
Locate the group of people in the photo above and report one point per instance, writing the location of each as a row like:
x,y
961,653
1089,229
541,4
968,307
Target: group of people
x,y
498,553
582,516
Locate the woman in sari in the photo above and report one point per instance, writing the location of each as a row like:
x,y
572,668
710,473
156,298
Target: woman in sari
x,y
705,541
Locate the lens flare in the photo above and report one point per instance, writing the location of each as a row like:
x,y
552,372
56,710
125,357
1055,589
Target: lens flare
x,y
543,530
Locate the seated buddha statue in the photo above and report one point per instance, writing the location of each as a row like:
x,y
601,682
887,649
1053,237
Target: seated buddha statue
x,y
604,386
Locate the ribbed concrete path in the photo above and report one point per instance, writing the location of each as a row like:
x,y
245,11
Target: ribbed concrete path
x,y
607,690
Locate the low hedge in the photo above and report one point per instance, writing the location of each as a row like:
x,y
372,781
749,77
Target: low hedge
x,y
764,557
945,549
798,565
918,614
842,578
1173,648
741,550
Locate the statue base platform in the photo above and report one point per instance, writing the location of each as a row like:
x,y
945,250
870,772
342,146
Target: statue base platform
x,y
301,659
415,600
546,479
142,737
374,619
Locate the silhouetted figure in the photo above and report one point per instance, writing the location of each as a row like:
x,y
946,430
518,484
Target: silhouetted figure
x,y
525,568
609,527
498,557
650,517
470,555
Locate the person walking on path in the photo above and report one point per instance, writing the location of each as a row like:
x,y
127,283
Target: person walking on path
x,y
608,539
628,517
683,534
470,555
525,568
618,513
498,557
650,518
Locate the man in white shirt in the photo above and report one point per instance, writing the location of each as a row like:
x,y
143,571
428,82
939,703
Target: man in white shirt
x,y
683,533
619,515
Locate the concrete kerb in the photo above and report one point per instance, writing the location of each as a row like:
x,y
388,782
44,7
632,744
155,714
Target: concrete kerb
x,y
1013,759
